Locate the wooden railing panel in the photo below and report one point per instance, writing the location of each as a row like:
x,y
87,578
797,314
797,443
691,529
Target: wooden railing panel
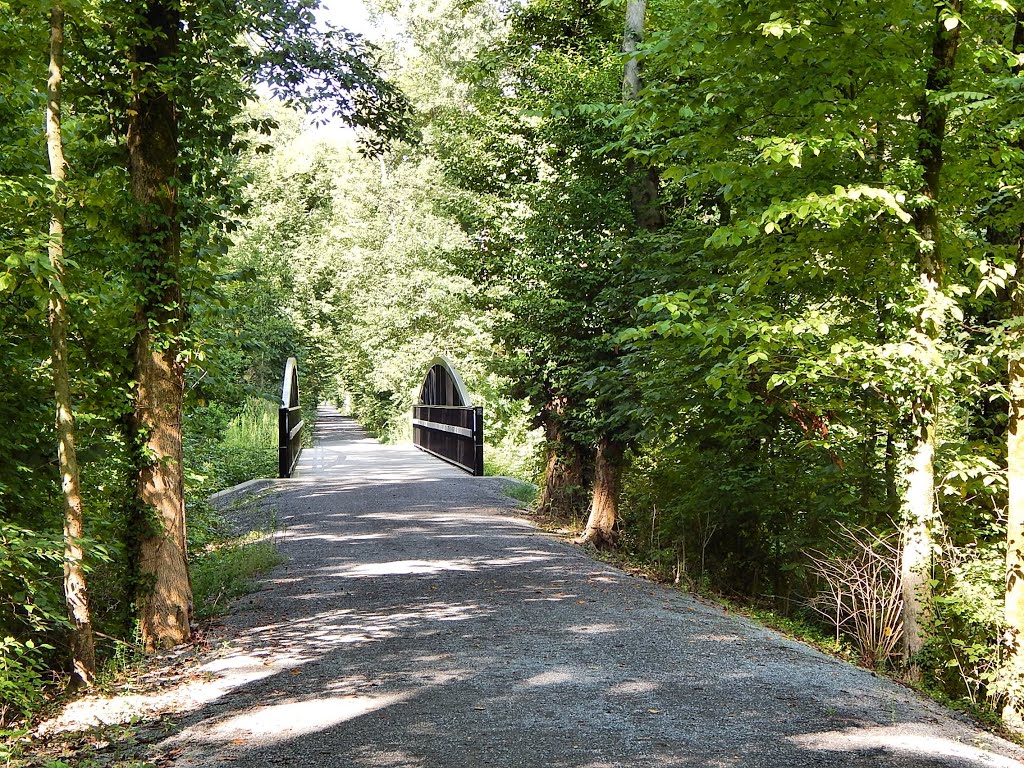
x,y
453,433
289,421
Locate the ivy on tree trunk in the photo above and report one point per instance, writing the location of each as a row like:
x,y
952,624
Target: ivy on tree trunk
x,y
562,493
165,595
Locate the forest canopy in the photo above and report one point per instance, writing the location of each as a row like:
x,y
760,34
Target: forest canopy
x,y
738,285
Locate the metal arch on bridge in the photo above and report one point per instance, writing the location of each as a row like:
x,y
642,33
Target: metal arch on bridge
x,y
289,421
445,422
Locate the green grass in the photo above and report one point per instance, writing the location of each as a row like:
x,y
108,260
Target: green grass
x,y
523,492
228,570
224,568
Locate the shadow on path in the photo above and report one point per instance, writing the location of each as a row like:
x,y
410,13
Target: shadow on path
x,y
419,623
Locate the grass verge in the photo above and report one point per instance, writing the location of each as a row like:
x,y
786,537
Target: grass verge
x,y
525,493
227,570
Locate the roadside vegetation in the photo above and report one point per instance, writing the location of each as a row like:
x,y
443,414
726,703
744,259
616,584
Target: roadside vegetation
x,y
757,287
739,288
137,378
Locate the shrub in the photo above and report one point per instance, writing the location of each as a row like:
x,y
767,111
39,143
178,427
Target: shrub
x,y
862,596
31,609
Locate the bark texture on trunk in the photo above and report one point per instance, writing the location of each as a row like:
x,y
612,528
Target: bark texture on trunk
x,y
920,516
563,492
920,521
636,12
165,594
604,508
645,191
76,593
1013,607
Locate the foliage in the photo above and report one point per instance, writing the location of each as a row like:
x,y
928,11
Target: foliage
x,y
967,651
353,256
762,351
31,616
224,51
765,349
226,571
223,451
786,363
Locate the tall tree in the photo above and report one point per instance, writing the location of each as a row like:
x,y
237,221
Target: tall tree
x,y
920,513
643,191
165,595
83,650
1013,611
181,125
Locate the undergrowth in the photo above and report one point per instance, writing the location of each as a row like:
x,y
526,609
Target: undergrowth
x,y
220,450
800,628
226,571
523,492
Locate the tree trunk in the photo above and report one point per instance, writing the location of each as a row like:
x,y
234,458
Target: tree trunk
x,y
76,593
604,509
1013,613
919,521
562,492
919,513
1013,610
165,594
636,12
645,190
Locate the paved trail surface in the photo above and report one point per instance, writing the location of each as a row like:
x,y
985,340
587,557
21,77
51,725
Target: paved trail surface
x,y
419,623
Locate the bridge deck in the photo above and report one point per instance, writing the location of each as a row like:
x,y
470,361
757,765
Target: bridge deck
x,y
343,452
419,623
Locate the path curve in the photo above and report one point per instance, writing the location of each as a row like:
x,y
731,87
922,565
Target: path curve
x,y
419,623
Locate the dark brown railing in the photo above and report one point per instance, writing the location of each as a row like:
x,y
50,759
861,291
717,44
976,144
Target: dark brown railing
x,y
453,433
445,423
289,421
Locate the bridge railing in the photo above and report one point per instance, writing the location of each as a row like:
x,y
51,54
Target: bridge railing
x,y
289,421
454,433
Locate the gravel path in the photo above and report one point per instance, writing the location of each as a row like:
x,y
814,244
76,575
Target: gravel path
x,y
419,623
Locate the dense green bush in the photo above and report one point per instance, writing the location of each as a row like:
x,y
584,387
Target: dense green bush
x,y
31,615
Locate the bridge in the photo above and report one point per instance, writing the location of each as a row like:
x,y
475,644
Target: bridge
x,y
421,620
445,423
